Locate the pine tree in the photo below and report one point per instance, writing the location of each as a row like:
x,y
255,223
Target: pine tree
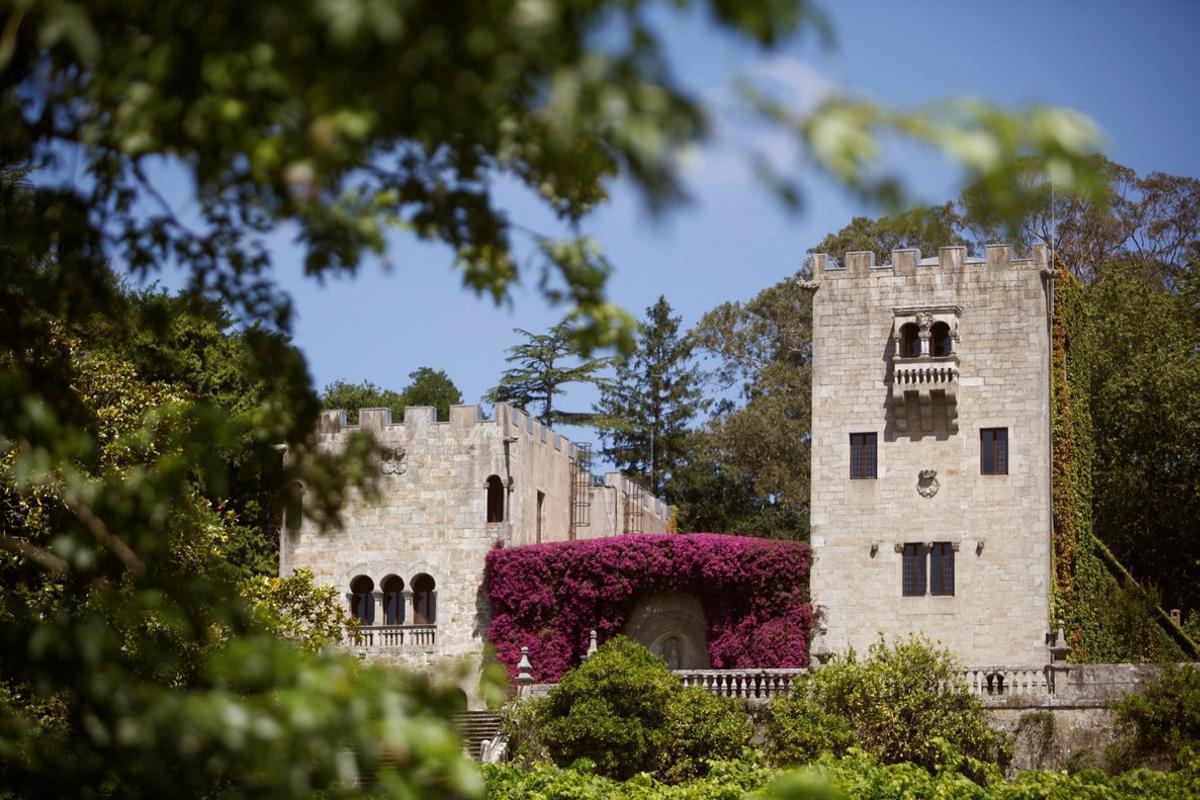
x,y
644,415
541,369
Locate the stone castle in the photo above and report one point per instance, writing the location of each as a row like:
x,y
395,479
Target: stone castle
x,y
930,506
411,565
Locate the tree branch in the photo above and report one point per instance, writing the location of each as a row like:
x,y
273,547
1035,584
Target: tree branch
x,y
33,553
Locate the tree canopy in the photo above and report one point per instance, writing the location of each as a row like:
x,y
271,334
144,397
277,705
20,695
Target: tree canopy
x,y
426,387
645,412
542,366
751,470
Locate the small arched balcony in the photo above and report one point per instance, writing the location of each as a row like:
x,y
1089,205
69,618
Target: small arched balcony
x,y
362,600
424,594
495,499
399,629
910,341
393,600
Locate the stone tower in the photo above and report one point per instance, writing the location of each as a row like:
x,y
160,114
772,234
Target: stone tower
x,y
931,452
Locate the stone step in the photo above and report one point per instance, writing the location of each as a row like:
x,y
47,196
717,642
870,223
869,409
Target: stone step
x,y
474,727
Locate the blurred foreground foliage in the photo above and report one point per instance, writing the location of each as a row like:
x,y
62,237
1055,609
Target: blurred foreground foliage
x,y
144,650
353,120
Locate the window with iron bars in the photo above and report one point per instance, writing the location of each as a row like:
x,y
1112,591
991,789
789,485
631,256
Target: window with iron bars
x,y
862,455
993,451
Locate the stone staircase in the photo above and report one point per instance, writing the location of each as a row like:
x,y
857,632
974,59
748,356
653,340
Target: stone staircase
x,y
474,727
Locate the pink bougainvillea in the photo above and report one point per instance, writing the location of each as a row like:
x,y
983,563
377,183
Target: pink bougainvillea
x,y
547,597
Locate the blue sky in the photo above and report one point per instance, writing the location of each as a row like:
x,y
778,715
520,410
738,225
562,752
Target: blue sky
x,y
1133,69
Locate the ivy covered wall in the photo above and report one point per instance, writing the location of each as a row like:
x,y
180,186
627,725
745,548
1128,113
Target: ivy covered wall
x,y
1108,617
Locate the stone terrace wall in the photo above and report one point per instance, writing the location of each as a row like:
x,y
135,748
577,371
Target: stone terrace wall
x,y
997,377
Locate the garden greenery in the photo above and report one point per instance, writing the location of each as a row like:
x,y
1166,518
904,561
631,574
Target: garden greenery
x,y
1108,619
1161,723
548,597
622,712
903,703
856,775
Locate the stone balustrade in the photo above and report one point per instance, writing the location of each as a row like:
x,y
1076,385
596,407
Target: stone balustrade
x,y
1056,685
379,638
744,684
989,682
928,372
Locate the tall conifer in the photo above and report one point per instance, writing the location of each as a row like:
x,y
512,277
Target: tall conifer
x,y
541,366
644,415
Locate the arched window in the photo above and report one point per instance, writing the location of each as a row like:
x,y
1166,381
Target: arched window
x,y
495,500
940,332
393,600
424,600
362,600
910,342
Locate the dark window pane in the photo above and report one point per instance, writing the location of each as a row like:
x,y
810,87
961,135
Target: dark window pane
x,y
941,569
424,600
910,342
993,451
495,499
941,339
362,599
393,600
862,455
913,579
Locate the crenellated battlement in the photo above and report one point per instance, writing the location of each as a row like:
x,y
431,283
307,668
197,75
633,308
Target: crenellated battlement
x,y
514,425
332,422
909,261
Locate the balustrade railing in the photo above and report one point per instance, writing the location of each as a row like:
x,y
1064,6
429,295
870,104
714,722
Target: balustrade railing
x,y
749,684
933,372
1007,681
392,637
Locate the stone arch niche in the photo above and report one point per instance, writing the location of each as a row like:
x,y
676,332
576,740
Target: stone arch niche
x,y
672,627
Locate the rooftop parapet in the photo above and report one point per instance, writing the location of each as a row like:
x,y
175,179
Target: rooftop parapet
x,y
514,423
909,261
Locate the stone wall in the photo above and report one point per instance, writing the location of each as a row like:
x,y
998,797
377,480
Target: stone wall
x,y
432,518
1071,726
927,413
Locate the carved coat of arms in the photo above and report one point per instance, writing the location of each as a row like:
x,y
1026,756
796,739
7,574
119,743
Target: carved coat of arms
x,y
927,483
393,461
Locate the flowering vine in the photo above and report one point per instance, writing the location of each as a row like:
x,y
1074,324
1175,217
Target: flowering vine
x,y
548,597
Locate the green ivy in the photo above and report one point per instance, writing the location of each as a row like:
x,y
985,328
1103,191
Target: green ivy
x,y
1108,617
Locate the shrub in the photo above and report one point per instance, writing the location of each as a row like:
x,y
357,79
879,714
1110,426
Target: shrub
x,y
1162,722
701,727
547,597
904,703
626,713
